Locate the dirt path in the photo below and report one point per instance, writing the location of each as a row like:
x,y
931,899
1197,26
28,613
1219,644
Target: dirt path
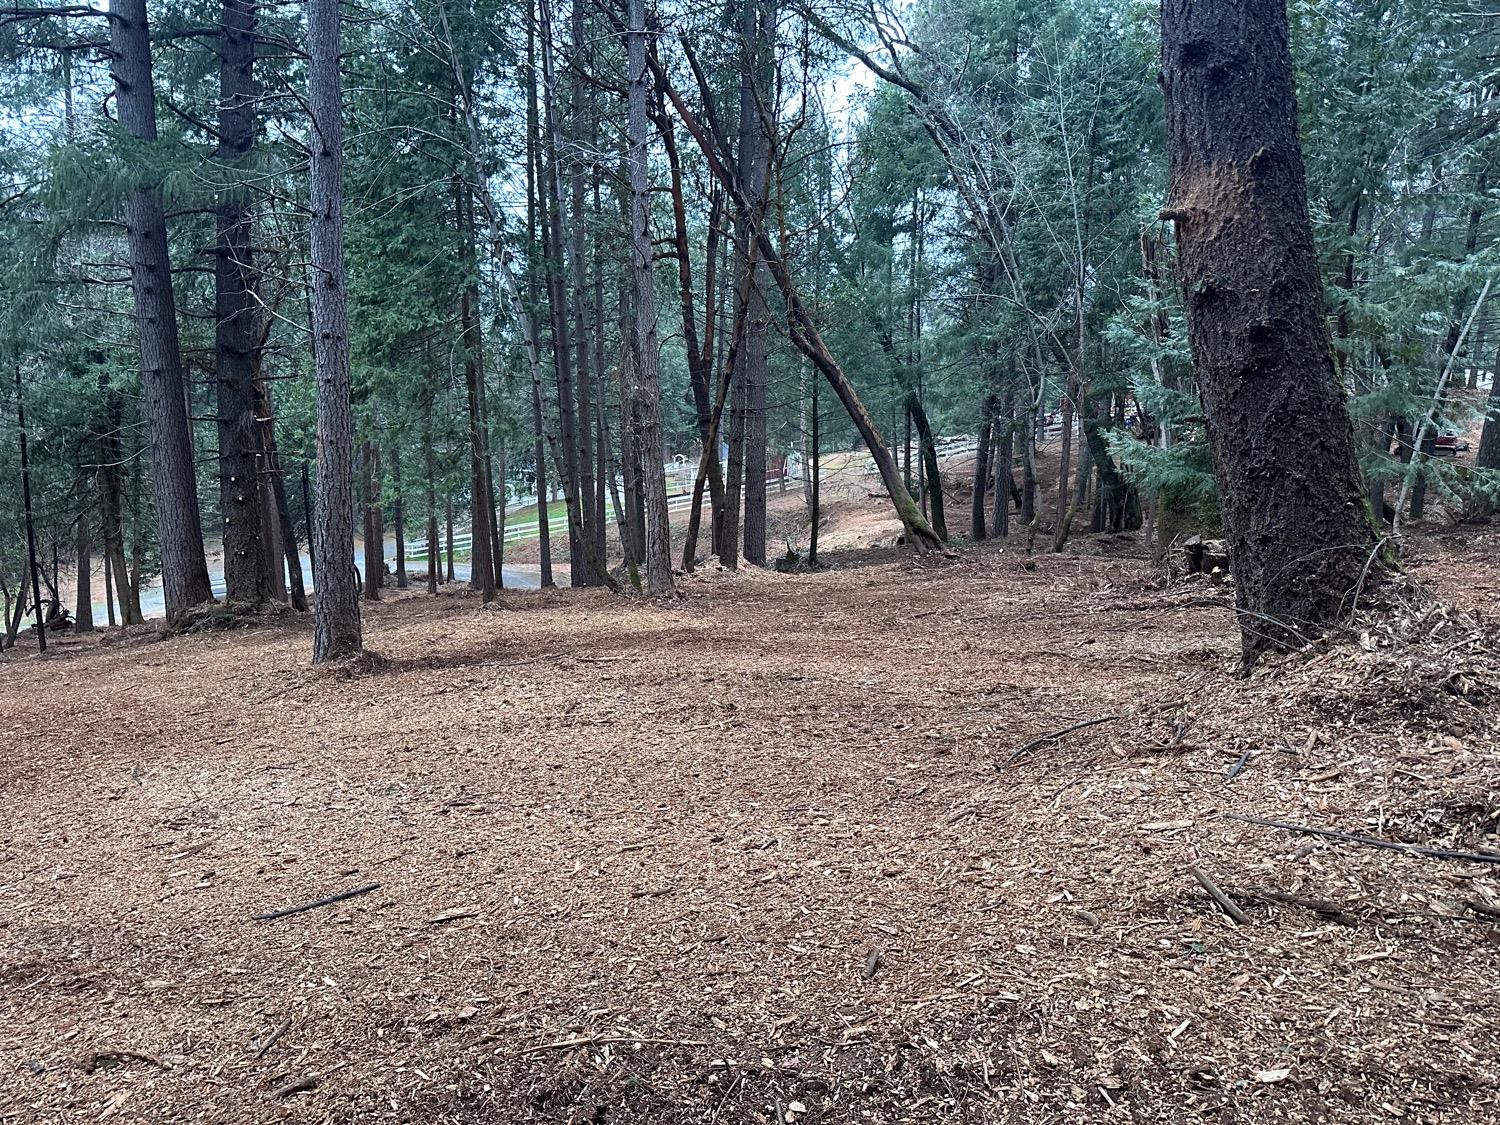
x,y
747,858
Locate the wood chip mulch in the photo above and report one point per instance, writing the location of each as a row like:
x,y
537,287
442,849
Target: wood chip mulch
x,y
751,856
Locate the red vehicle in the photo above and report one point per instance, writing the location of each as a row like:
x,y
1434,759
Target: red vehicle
x,y
1449,445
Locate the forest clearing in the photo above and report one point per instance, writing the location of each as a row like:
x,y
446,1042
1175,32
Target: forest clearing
x,y
749,857
645,562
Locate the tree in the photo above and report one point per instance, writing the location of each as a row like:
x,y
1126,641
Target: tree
x,y
646,394
1294,509
179,529
247,564
337,631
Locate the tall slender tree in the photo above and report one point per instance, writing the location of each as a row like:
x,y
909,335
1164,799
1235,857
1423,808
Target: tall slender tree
x,y
337,628
247,563
647,383
184,567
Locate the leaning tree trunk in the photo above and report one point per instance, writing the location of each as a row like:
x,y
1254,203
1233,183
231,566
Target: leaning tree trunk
x,y
646,384
337,630
247,562
184,570
1295,513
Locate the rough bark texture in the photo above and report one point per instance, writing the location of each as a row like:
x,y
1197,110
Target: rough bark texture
x,y
247,561
757,32
163,385
1294,509
647,385
337,631
1488,456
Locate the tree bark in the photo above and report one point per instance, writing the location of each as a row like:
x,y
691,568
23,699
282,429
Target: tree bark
x,y
554,221
247,561
481,512
757,102
981,469
163,385
374,536
1295,512
647,385
337,630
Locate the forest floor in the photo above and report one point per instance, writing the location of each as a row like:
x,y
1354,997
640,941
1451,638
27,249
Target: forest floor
x,y
760,854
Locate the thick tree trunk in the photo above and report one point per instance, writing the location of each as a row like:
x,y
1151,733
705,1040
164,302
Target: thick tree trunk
x,y
1488,455
337,630
1294,509
163,384
248,562
647,385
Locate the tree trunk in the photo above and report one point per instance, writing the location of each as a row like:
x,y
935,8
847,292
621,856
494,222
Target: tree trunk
x,y
554,222
647,386
700,349
449,516
163,385
1295,512
1488,456
374,536
1004,461
248,563
112,508
577,232
930,473
109,596
337,631
276,499
398,517
538,395
981,469
801,327
814,513
481,539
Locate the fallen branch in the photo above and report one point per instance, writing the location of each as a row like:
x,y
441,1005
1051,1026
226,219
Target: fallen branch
x,y
271,1040
1372,841
329,901
1319,906
1035,742
1216,893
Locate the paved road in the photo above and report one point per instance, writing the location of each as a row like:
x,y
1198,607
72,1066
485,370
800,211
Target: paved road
x,y
152,604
